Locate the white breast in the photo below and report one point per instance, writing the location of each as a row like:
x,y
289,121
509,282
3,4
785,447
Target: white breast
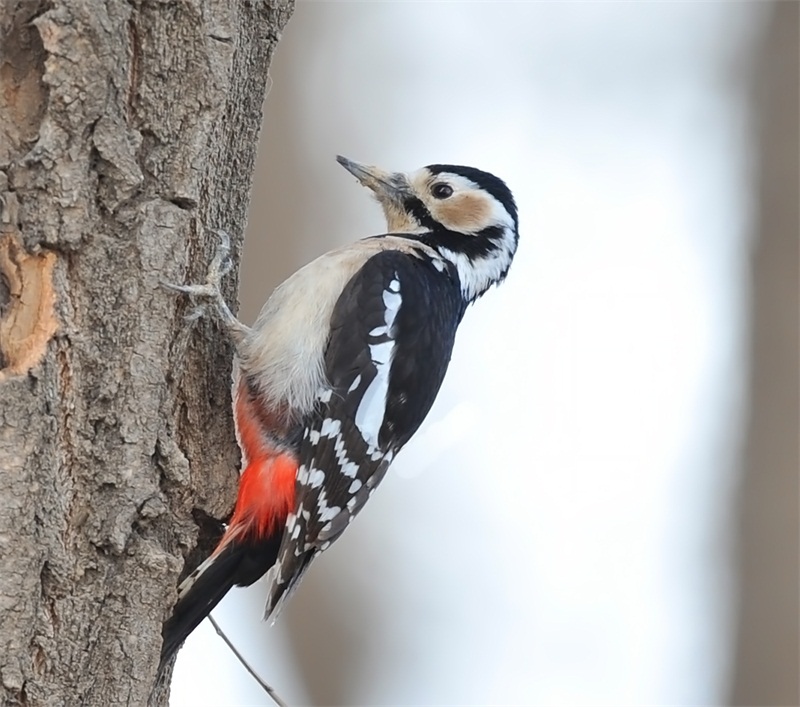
x,y
283,354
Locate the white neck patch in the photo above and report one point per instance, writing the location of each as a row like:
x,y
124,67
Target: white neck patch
x,y
478,274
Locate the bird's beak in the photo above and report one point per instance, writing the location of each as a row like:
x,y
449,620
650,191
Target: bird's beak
x,y
387,186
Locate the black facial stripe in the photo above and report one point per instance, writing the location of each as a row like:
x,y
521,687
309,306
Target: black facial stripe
x,y
417,209
488,182
478,245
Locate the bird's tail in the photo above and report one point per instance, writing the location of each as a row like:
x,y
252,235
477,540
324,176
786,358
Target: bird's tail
x,y
236,563
250,544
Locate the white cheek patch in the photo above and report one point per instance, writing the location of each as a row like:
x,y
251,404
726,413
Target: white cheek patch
x,y
372,408
499,216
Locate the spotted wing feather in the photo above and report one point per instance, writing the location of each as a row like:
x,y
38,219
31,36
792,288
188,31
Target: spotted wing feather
x,y
392,333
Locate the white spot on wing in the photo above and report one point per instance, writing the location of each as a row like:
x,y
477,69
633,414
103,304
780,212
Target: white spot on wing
x,y
329,513
326,512
372,408
392,301
316,477
330,427
354,487
381,353
350,469
347,467
354,384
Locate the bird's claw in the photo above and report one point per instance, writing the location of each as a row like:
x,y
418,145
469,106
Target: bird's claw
x,y
221,264
211,291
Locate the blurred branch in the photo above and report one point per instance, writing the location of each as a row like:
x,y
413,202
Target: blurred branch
x,y
765,671
267,688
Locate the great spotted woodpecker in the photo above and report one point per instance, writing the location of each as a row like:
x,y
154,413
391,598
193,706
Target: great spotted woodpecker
x,y
339,371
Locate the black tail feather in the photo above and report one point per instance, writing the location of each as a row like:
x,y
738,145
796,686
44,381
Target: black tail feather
x,y
238,564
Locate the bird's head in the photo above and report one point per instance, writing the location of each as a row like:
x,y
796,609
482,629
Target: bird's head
x,y
468,215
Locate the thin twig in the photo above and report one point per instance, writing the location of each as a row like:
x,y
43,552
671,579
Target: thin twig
x,y
273,695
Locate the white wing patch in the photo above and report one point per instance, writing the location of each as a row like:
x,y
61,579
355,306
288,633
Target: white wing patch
x,y
356,382
372,408
316,478
347,467
326,512
330,427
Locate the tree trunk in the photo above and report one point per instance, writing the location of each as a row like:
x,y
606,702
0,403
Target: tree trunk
x,y
767,652
126,128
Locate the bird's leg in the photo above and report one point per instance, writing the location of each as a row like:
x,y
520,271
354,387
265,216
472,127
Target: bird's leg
x,y
210,291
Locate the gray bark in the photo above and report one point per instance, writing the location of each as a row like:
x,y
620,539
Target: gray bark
x,y
126,128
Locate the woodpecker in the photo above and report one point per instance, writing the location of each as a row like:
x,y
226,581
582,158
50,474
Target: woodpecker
x,y
340,369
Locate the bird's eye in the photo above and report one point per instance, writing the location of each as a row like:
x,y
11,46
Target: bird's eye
x,y
441,190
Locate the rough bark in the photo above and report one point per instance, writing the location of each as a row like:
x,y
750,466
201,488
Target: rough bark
x,y
126,128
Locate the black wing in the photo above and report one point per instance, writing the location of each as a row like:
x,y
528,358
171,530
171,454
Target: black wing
x,y
392,335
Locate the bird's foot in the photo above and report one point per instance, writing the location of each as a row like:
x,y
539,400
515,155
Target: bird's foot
x,y
210,291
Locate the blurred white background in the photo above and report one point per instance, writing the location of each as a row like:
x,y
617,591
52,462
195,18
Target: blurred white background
x,y
559,532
